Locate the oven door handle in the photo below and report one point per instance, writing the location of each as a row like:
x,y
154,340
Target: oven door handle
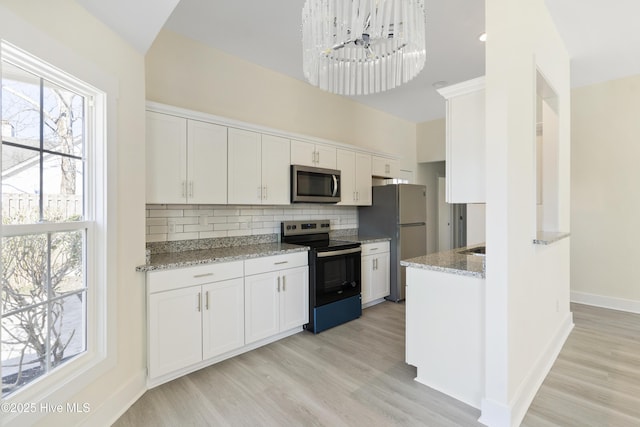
x,y
338,253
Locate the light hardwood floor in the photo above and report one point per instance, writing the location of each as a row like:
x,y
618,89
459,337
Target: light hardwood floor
x,y
355,375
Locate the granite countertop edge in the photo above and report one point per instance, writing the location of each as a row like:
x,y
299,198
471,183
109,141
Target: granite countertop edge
x,y
364,239
452,262
171,260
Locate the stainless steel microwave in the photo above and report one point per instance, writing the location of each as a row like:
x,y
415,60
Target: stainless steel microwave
x,y
314,185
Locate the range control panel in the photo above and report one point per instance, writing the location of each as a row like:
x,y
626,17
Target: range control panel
x,y
294,228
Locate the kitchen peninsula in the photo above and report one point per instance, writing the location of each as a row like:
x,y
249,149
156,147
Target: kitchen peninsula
x,y
445,321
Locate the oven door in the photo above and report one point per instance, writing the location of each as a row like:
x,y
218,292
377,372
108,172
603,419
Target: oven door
x,y
337,275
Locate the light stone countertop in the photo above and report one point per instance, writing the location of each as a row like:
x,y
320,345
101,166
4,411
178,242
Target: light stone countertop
x,y
237,252
363,239
170,260
450,262
549,237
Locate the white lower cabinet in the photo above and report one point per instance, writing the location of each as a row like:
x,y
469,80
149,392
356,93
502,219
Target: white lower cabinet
x,y
276,295
375,272
187,320
201,315
175,330
222,317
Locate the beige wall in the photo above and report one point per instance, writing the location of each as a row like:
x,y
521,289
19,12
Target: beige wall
x,y
527,292
64,34
428,174
188,74
605,199
431,141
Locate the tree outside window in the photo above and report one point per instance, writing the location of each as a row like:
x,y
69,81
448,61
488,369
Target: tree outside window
x,y
44,232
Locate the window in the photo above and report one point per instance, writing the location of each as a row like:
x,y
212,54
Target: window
x,y
48,219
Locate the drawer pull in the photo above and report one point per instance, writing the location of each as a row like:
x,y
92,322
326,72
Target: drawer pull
x,y
197,276
281,262
374,249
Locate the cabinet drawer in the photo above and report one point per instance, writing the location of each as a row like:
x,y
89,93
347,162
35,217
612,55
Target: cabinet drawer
x,y
274,263
375,248
158,281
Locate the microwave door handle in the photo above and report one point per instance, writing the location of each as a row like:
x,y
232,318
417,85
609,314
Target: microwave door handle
x,y
335,186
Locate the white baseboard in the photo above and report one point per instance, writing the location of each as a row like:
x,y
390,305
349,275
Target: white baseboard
x,y
118,403
622,304
497,414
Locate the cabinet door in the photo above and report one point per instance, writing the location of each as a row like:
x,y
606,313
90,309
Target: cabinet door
x,y
367,278
175,330
346,162
261,306
245,167
466,148
275,170
206,163
222,317
294,298
380,285
363,179
325,157
385,168
303,153
166,158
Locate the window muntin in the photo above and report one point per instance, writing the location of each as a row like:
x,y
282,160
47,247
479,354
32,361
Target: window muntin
x,y
45,226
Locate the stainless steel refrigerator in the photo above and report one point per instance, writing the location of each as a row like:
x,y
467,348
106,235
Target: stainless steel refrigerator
x,y
398,211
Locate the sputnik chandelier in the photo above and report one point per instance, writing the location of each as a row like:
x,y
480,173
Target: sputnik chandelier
x,y
360,47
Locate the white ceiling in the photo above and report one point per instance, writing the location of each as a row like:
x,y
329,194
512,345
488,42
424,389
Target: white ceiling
x,y
601,37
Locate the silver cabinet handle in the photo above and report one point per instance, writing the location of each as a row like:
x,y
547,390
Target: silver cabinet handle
x,y
374,249
206,300
278,283
190,188
265,193
199,301
280,262
259,193
284,284
196,276
184,188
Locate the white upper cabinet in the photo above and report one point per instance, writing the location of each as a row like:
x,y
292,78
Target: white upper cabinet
x,y
383,167
258,168
465,128
275,170
245,167
186,160
355,178
206,163
166,151
310,154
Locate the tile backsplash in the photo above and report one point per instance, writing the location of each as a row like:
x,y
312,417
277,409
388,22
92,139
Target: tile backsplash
x,y
187,222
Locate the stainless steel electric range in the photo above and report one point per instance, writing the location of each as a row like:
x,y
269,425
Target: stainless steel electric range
x,y
334,273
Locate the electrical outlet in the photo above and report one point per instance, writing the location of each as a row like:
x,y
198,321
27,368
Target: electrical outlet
x,y
172,226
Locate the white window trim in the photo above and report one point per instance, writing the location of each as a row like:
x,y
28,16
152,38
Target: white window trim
x,y
58,386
